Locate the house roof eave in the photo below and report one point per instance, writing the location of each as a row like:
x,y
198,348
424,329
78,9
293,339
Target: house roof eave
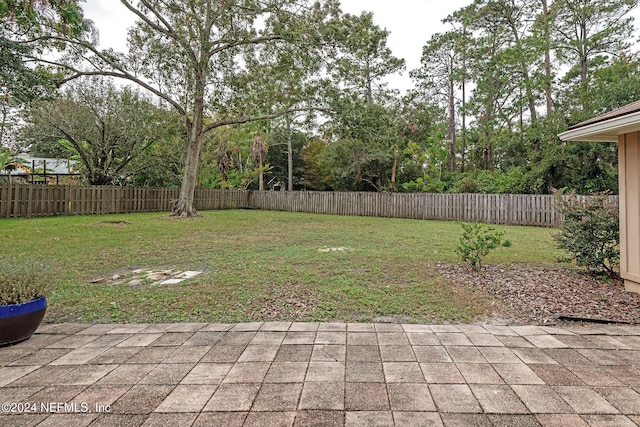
x,y
604,131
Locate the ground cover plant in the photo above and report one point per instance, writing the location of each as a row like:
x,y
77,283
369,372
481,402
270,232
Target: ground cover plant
x,y
259,265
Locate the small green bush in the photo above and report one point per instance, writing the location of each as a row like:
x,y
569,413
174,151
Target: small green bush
x,y
590,232
477,241
22,281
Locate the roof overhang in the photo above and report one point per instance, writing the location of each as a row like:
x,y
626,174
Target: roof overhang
x,y
604,129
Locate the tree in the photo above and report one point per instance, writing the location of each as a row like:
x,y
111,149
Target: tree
x,y
360,107
106,128
437,80
215,62
317,172
361,56
259,152
588,29
21,81
285,154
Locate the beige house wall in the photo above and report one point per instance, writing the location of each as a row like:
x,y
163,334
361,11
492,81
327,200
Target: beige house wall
x,y
629,172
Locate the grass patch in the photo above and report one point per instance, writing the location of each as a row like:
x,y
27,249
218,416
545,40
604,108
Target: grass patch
x,y
260,265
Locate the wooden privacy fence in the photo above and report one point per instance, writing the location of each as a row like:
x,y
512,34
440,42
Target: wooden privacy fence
x,y
25,200
510,209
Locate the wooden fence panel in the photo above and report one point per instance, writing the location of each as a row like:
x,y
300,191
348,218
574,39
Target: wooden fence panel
x,y
30,200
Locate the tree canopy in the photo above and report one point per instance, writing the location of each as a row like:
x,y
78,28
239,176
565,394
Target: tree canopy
x,y
236,81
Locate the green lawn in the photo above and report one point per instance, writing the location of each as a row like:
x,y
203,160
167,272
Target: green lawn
x,y
260,265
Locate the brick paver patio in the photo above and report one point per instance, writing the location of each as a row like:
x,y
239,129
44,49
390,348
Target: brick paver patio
x,y
322,374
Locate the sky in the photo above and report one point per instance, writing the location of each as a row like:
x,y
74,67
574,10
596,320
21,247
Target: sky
x,y
410,22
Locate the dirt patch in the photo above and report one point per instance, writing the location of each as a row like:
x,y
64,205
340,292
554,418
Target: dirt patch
x,y
534,294
293,302
114,223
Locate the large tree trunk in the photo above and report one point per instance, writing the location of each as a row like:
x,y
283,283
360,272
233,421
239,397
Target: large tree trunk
x,y
184,206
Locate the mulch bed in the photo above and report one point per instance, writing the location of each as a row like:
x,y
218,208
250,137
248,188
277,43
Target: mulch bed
x,y
548,295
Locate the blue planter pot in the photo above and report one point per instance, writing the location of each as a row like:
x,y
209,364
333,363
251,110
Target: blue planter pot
x,y
19,321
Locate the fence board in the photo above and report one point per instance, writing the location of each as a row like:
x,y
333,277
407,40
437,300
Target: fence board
x,y
30,200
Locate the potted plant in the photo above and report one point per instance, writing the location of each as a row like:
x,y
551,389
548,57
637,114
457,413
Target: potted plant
x,y
22,300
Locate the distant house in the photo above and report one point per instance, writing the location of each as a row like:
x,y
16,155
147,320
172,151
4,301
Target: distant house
x,y
41,170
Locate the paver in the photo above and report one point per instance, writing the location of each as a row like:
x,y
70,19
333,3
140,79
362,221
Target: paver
x,y
276,326
366,372
442,373
275,419
79,356
361,338
583,400
329,353
299,338
170,373
410,397
268,338
171,339
141,399
331,338
498,399
625,399
363,353
227,419
402,372
484,340
542,399
368,419
417,419
319,419
187,398
207,373
127,374
233,397
287,372
247,372
294,353
499,355
187,354
115,355
329,374
393,338
278,397
366,397
171,419
450,338
517,373
456,398
431,354
223,353
396,353
324,396
204,338
259,353
555,375
423,338
325,371
461,354
68,420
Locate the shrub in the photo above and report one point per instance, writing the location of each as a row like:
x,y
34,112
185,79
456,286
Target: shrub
x,y
477,241
22,281
590,232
